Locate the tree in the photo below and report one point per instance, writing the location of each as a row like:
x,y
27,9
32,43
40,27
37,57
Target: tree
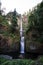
x,y
40,15
35,21
14,21
35,17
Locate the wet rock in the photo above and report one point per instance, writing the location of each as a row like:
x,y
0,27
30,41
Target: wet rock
x,y
5,56
21,56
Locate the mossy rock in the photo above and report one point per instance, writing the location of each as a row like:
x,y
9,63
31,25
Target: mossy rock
x,y
9,43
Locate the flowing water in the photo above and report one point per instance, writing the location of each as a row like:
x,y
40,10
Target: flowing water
x,y
22,45
22,39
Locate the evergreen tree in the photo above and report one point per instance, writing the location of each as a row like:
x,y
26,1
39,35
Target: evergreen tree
x,y
14,21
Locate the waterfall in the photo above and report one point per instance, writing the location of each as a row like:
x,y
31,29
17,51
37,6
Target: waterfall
x,y
21,30
22,38
22,45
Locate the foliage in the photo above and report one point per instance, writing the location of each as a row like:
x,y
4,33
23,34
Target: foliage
x,y
2,60
3,21
39,61
35,18
14,21
9,33
35,21
14,18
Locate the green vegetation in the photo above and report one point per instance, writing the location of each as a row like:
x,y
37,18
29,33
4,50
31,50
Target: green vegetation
x,y
35,18
14,21
34,33
9,34
4,61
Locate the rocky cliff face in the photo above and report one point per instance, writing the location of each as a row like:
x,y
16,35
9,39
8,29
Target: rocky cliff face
x,y
8,42
33,43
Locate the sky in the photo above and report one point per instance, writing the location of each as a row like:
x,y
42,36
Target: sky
x,y
20,5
